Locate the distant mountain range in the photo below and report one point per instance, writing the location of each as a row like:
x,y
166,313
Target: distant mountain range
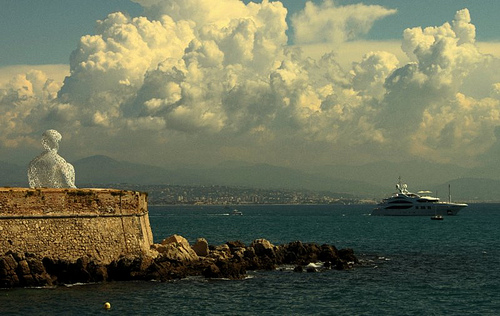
x,y
374,180
13,175
102,169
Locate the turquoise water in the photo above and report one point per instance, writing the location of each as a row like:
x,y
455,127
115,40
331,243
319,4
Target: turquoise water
x,y
410,266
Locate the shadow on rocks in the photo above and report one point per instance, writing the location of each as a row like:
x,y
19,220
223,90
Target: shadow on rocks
x,y
173,259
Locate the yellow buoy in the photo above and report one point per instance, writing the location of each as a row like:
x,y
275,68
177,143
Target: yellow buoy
x,y
107,305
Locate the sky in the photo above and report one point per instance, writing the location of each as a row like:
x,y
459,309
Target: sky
x,y
289,83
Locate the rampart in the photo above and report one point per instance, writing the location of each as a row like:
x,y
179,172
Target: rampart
x,y
73,223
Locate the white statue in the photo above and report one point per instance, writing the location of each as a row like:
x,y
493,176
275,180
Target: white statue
x,y
49,170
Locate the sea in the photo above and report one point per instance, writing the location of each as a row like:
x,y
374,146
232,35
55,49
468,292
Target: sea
x,y
408,266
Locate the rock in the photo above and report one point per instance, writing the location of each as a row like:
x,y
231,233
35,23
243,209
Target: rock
x,y
221,252
179,253
18,269
249,253
17,256
263,247
298,252
232,270
212,271
167,270
27,280
174,258
312,251
347,255
238,249
238,253
328,253
176,239
176,248
223,248
8,263
68,272
98,271
293,251
23,268
8,275
201,247
224,269
237,244
35,266
125,268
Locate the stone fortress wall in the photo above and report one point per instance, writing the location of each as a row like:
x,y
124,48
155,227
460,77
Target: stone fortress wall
x,y
72,223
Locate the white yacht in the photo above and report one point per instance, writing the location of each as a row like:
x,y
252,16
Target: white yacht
x,y
405,203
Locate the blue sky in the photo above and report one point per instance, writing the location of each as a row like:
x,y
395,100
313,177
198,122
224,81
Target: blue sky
x,y
203,81
45,32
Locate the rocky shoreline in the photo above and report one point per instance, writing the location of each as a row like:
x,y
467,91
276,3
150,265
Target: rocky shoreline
x,y
173,258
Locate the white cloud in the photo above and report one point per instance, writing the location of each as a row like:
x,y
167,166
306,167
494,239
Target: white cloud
x,y
335,24
354,51
202,12
23,97
425,105
369,75
56,72
464,125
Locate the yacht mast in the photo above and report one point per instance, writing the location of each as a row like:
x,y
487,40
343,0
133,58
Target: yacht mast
x,y
449,193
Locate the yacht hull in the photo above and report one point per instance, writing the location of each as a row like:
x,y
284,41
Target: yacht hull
x,y
419,210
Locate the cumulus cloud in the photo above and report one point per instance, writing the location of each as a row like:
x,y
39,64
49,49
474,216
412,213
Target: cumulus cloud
x,y
328,22
211,80
369,75
425,99
22,97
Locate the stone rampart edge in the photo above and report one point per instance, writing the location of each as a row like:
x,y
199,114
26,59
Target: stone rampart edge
x,y
69,216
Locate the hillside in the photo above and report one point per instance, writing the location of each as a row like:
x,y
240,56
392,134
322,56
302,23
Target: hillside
x,y
374,180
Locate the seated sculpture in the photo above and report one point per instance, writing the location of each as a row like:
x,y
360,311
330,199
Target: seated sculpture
x,y
49,170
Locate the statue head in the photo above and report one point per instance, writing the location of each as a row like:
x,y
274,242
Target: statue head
x,y
51,139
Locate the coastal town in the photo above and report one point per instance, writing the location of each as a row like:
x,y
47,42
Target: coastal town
x,y
231,195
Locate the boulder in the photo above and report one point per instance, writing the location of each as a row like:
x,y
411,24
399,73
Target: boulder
x,y
8,263
223,248
125,268
212,271
164,270
249,253
201,247
221,252
293,251
176,239
237,244
225,269
176,248
328,253
23,268
36,266
347,255
263,248
8,275
237,248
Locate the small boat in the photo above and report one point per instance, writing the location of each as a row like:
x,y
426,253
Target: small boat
x,y
406,203
437,217
236,212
